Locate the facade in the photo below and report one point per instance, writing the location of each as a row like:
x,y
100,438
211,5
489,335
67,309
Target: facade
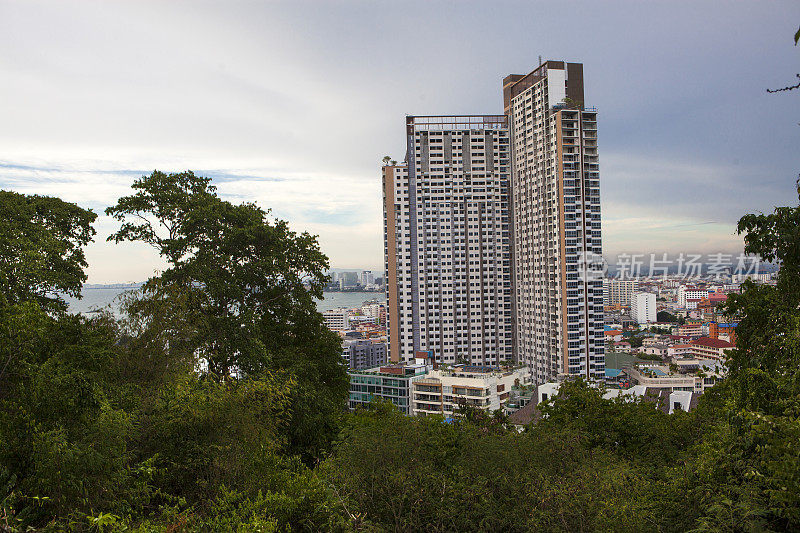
x,y
618,292
361,353
555,189
643,307
444,391
390,383
337,319
447,241
689,330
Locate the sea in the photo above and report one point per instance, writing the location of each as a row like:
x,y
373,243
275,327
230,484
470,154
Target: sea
x,y
97,298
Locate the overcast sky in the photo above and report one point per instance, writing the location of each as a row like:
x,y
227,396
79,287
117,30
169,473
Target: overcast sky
x,y
293,105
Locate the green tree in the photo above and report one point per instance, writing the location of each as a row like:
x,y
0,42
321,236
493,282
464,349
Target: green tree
x,y
249,286
664,316
41,249
757,485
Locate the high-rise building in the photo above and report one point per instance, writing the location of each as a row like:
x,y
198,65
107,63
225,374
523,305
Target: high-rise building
x,y
447,241
367,278
556,222
643,307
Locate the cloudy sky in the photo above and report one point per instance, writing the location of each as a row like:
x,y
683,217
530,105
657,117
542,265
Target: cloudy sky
x,y
293,104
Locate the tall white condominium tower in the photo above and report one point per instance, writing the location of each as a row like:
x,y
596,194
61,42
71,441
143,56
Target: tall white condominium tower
x,y
556,222
447,241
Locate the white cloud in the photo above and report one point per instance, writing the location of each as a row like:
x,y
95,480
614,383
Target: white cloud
x,y
292,105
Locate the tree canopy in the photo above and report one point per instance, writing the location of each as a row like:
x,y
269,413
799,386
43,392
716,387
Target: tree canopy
x,y
41,248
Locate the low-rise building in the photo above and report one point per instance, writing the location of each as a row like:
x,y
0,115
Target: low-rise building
x,y
337,319
667,400
391,383
622,347
693,330
659,377
443,391
679,350
708,348
655,349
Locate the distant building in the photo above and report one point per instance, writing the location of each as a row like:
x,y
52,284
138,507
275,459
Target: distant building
x,y
375,311
619,291
348,279
689,330
643,307
739,278
679,350
688,297
362,353
367,278
337,319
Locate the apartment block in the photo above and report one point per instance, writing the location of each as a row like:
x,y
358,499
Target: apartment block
x,y
643,307
689,296
364,353
619,291
447,241
555,189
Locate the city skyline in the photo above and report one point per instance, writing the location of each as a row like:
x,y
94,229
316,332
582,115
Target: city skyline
x,y
95,97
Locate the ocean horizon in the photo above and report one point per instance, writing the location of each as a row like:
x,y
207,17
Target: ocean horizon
x,y
98,297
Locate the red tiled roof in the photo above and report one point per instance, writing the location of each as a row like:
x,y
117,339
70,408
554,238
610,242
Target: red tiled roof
x,y
713,343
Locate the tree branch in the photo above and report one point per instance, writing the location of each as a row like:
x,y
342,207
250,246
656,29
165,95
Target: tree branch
x,y
789,88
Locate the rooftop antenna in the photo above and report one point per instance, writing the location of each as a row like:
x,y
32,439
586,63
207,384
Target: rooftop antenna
x,y
540,61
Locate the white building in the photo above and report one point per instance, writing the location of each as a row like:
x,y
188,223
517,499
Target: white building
x,y
447,241
556,221
690,295
739,278
337,319
643,307
367,278
443,391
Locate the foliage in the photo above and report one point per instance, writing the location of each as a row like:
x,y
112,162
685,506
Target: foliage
x,y
758,486
41,249
666,316
245,286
